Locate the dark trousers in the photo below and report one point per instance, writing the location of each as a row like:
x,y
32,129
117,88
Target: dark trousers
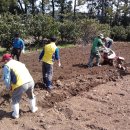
x,y
16,52
47,72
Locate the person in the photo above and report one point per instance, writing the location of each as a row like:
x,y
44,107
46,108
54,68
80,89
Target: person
x,y
18,80
108,42
18,46
49,54
95,50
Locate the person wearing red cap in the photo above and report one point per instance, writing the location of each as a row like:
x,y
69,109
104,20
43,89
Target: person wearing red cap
x,y
18,80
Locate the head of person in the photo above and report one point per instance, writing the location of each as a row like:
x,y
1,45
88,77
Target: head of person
x,y
16,35
101,36
6,57
45,41
53,38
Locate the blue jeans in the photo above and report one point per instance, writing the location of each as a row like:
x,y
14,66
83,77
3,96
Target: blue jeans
x,y
47,72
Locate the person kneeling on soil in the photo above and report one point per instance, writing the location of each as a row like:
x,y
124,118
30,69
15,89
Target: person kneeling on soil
x,y
18,80
95,50
49,54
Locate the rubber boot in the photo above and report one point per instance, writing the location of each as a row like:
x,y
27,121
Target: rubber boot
x,y
15,108
33,105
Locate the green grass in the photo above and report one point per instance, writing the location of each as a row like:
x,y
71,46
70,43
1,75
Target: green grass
x,y
59,46
2,51
66,45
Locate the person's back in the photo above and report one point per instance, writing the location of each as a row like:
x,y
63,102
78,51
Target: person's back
x,y
49,50
18,80
96,44
20,72
49,54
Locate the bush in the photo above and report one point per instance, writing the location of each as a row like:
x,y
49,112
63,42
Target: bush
x,y
128,32
119,33
91,28
69,31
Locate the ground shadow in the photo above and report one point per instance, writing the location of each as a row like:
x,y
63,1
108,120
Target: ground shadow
x,y
85,65
80,65
4,114
40,86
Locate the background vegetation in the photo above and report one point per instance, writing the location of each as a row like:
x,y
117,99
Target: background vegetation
x,y
39,19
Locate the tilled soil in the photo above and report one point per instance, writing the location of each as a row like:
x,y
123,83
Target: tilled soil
x,y
83,98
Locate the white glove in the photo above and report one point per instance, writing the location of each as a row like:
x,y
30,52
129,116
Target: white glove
x,y
23,51
59,64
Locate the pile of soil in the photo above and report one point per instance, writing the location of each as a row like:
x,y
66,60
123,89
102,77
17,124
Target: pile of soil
x,y
83,98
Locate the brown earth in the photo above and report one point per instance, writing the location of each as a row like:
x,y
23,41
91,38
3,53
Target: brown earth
x,y
83,98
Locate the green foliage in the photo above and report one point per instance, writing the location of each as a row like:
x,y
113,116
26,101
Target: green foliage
x,y
91,28
128,32
41,25
119,33
69,30
9,25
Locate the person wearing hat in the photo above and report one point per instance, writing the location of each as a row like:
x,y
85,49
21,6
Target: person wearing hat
x,y
18,46
49,54
18,80
95,50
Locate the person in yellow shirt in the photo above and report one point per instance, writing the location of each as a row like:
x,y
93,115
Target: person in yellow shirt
x,y
18,80
49,54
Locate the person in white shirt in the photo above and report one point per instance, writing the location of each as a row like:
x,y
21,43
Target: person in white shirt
x,y
108,42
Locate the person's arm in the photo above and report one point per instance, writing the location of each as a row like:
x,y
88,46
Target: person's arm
x,y
6,77
22,46
57,56
41,55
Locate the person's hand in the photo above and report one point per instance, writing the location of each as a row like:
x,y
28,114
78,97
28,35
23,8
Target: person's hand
x,y
23,51
59,64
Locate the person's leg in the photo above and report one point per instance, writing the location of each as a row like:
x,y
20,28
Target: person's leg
x,y
18,54
98,57
29,87
44,73
90,63
16,97
49,75
13,53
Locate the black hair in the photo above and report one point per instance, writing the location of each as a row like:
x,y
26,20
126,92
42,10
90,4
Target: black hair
x,y
16,34
53,38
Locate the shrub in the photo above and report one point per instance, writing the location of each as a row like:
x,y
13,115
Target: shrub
x,y
119,33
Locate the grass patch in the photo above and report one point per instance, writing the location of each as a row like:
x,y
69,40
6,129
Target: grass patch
x,y
66,45
2,51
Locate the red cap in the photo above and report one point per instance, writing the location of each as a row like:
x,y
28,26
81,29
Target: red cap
x,y
6,57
